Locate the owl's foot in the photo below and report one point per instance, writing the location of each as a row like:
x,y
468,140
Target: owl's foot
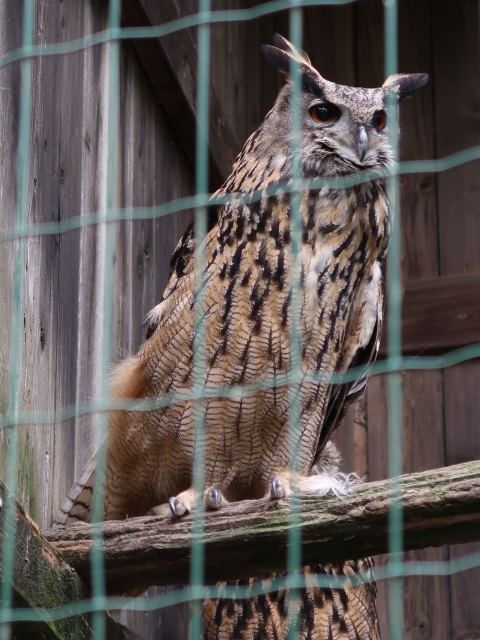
x,y
280,485
286,483
213,498
179,505
279,488
186,501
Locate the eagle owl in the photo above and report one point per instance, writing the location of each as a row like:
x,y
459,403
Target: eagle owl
x,y
247,320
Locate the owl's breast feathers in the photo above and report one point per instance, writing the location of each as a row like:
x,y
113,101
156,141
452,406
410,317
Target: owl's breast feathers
x,y
247,296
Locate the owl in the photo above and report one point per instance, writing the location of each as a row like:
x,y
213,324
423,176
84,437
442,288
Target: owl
x,y
249,451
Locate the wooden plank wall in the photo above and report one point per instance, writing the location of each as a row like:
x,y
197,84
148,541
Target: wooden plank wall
x,y
62,274
459,232
439,216
422,390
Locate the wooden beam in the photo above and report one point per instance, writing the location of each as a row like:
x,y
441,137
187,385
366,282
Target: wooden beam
x,y
250,538
439,314
43,580
171,66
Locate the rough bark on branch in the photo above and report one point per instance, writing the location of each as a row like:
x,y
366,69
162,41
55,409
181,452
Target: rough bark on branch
x,y
249,538
42,580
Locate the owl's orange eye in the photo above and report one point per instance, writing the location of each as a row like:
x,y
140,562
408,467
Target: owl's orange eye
x,y
326,112
379,120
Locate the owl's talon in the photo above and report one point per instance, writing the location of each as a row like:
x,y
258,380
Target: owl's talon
x,y
213,498
178,508
277,489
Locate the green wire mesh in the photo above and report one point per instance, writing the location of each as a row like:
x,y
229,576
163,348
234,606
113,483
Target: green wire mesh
x,y
396,568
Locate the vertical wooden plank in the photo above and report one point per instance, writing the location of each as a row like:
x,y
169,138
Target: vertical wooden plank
x,y
236,71
68,166
70,182
10,38
456,67
423,419
152,171
11,15
325,29
148,148
351,438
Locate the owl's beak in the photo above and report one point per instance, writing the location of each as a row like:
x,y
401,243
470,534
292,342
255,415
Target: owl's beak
x,y
362,142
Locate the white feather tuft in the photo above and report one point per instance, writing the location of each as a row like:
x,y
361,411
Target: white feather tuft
x,y
340,484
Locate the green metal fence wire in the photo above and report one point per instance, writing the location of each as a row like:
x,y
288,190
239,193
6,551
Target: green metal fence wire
x,y
294,550
201,186
108,239
409,363
191,202
394,347
397,568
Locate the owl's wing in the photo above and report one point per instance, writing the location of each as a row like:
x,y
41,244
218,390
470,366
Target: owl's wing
x,y
344,395
182,263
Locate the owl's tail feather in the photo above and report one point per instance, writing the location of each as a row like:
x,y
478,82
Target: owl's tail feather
x,y
323,613
128,381
77,505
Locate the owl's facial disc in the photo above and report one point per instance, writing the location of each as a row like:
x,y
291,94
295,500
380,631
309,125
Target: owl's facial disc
x,y
346,136
344,128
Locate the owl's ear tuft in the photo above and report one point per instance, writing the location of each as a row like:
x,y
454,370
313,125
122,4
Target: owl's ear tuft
x,y
282,57
285,45
405,84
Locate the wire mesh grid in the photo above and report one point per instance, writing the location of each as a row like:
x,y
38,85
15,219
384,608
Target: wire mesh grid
x,y
396,568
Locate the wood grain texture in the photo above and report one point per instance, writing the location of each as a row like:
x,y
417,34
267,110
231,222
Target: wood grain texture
x,y
63,272
179,52
439,314
423,420
251,537
456,33
62,325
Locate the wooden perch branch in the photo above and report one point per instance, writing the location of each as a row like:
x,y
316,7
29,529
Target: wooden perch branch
x,y
250,538
43,580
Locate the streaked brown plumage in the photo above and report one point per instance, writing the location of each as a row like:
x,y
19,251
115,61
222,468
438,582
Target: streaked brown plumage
x,y
324,613
247,321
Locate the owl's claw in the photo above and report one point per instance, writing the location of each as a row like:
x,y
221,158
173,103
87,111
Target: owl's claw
x,y
177,507
213,498
277,489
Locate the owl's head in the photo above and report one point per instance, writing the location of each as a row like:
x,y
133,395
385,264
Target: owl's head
x,y
343,129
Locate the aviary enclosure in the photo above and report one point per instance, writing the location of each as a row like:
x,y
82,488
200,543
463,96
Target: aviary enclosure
x,y
97,151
